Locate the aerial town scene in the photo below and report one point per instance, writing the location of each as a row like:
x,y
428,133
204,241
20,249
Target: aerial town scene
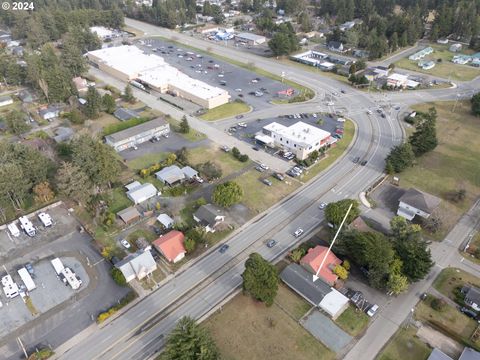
x,y
240,179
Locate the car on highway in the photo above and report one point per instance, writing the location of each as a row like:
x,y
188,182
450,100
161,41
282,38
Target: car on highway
x,y
343,91
264,167
330,103
225,148
379,111
372,311
238,90
298,232
322,206
239,117
356,159
125,244
267,182
271,243
223,248
382,115
363,163
369,112
334,93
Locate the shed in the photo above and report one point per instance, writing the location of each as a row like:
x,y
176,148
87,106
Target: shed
x,y
165,220
129,215
189,172
63,134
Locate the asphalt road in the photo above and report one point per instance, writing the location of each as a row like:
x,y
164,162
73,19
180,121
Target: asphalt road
x,y
203,285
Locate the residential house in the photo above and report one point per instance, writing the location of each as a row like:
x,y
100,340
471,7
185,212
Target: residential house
x,y
209,217
318,293
25,96
171,175
382,71
455,47
137,265
472,297
421,54
461,59
469,354
347,26
426,65
5,100
139,134
139,193
166,221
81,84
437,354
49,113
360,53
314,257
171,246
63,134
335,46
124,114
415,202
129,215
190,173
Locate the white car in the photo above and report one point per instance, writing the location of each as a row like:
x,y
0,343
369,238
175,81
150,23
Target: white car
x,y
314,115
220,75
330,103
242,124
298,232
322,206
373,309
341,119
264,167
125,244
238,90
369,112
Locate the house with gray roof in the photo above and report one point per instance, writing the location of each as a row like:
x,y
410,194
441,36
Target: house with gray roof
x,y
469,354
63,134
170,175
49,112
190,173
415,202
472,297
209,217
5,100
137,265
141,193
138,134
318,293
25,96
124,114
438,354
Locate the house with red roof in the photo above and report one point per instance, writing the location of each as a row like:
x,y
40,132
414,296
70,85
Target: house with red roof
x,y
314,258
171,246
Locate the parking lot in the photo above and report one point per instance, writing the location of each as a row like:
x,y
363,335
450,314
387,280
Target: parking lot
x,y
240,83
50,291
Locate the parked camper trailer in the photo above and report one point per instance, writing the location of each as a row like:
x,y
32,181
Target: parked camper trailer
x,y
13,229
27,226
57,265
10,288
26,278
46,219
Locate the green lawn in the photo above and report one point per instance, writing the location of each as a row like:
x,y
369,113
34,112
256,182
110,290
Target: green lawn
x,y
405,345
353,321
445,69
334,153
193,135
292,303
258,196
118,200
246,329
453,165
225,111
146,160
451,278
225,161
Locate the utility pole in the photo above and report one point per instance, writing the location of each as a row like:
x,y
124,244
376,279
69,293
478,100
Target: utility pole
x,y
315,277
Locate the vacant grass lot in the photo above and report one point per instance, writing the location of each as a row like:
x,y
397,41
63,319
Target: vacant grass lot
x,y
453,165
450,321
224,160
451,278
353,321
445,69
146,160
246,329
292,303
258,196
405,345
225,111
334,153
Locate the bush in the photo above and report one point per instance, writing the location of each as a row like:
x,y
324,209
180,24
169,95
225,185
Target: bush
x,y
243,158
438,304
118,277
112,310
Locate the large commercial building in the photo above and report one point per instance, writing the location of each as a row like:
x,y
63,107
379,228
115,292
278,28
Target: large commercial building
x,y
135,135
250,39
130,63
300,138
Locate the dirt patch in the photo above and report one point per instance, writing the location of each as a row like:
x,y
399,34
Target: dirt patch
x,y
436,339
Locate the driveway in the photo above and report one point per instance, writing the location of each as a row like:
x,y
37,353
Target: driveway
x,y
436,339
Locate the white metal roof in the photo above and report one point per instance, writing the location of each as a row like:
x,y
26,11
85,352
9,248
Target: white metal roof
x,y
299,132
250,36
26,278
165,220
333,302
142,193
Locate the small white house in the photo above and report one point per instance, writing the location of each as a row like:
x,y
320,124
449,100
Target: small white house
x,y
49,113
140,192
5,100
137,265
415,202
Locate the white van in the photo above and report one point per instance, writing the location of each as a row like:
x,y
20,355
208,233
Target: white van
x,y
13,229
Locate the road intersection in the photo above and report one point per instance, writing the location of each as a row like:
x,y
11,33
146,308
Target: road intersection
x,y
139,332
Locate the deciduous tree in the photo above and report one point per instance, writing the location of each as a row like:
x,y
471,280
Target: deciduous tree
x,y
15,122
227,194
335,211
43,192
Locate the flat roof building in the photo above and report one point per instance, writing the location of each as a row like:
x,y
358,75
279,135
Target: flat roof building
x,y
299,138
135,135
131,63
251,39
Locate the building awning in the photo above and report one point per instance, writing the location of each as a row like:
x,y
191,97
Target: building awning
x,y
267,140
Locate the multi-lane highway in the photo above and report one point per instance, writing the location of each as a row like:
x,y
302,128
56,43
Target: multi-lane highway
x,y
140,332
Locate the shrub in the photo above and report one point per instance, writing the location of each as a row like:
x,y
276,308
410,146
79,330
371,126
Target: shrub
x,y
118,277
438,304
112,310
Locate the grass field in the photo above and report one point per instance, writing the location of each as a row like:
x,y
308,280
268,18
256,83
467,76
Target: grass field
x,y
258,196
451,278
146,160
245,329
453,165
193,135
225,111
405,345
118,200
334,153
352,321
445,69
290,302
224,160
450,321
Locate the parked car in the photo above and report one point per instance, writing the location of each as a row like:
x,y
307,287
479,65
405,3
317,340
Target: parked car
x,y
470,313
343,91
223,248
356,159
271,243
239,117
242,124
267,182
279,176
225,148
30,269
322,206
264,167
125,244
255,148
287,154
369,112
373,309
423,296
298,232
259,168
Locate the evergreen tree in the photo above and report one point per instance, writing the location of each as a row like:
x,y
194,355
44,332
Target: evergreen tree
x,y
260,279
401,157
94,103
128,94
424,139
108,103
16,123
184,126
475,102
